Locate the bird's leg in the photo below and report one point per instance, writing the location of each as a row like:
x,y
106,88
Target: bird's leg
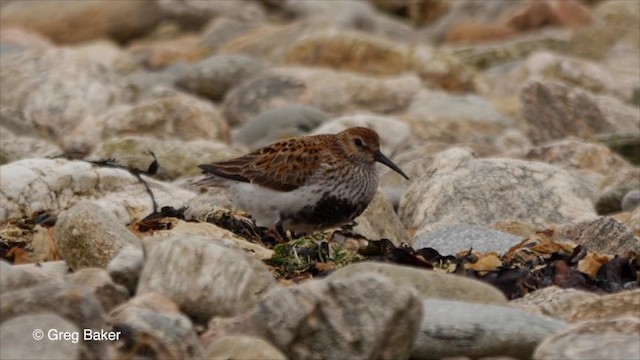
x,y
272,237
280,229
297,235
350,225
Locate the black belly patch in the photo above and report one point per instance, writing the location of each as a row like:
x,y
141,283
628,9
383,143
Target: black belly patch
x,y
329,211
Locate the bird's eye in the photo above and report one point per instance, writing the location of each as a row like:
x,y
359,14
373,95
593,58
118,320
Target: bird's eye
x,y
358,142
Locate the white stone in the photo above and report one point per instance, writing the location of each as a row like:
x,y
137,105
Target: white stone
x,y
32,185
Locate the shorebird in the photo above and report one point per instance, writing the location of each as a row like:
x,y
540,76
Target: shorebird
x,y
304,184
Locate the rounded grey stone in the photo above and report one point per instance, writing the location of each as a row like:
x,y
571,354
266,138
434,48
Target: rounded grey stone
x,y
453,328
451,239
168,335
428,284
75,303
243,347
125,268
259,94
458,188
18,338
216,75
14,277
279,123
631,200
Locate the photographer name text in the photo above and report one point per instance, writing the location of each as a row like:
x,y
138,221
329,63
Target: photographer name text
x,y
74,336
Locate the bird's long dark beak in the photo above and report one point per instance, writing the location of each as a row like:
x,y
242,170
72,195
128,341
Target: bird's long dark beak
x,y
379,157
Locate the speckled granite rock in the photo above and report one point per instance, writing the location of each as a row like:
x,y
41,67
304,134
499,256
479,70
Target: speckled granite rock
x,y
17,147
604,234
178,117
460,189
615,338
243,347
31,185
177,158
554,111
590,161
154,323
230,282
440,116
621,304
302,321
553,301
89,236
328,90
36,83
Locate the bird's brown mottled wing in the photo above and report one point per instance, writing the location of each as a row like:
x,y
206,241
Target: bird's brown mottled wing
x,y
282,166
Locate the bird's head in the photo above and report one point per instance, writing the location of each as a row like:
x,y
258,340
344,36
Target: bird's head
x,y
363,145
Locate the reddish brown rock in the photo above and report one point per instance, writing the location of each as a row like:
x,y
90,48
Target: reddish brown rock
x,y
78,21
541,13
157,54
19,37
475,32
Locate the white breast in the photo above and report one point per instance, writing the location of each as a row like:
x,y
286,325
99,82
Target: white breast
x,y
266,205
